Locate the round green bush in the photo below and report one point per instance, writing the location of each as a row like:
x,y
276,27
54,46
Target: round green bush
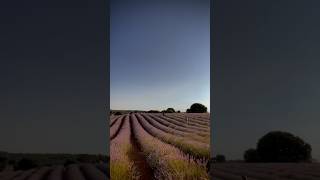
x,y
197,108
277,146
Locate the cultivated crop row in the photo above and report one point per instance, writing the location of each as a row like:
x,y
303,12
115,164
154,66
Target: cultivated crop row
x,y
194,149
167,127
115,129
266,171
167,161
70,172
114,119
189,123
121,167
194,121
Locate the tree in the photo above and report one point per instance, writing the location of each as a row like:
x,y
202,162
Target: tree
x,y
277,146
170,110
197,108
117,113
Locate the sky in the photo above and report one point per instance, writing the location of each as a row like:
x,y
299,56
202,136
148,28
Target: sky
x,y
53,76
159,54
266,72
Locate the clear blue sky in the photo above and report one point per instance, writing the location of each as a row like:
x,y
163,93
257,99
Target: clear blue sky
x,y
160,54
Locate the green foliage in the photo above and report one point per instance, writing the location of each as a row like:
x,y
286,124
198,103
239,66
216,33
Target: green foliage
x,y
280,146
170,110
117,113
197,108
277,146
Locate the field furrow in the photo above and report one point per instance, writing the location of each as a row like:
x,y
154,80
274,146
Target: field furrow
x,y
121,166
25,175
167,161
91,172
201,131
40,174
56,173
115,119
174,130
114,130
136,155
192,148
195,122
73,172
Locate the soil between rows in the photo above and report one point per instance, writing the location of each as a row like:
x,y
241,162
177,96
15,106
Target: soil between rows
x,y
136,155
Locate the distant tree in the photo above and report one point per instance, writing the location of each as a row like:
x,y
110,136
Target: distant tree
x,y
219,158
153,111
25,164
251,155
197,108
117,113
277,146
170,110
178,111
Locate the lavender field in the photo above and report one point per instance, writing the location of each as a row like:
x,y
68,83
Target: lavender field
x,y
265,171
159,146
70,172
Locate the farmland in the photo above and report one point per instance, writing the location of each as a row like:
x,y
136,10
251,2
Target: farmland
x,y
265,171
69,172
159,146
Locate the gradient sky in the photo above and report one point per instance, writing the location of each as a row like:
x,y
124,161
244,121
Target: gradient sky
x,y
160,54
53,76
266,72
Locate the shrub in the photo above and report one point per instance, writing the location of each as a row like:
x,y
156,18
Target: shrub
x,y
277,146
117,113
219,158
197,108
25,164
170,110
251,155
